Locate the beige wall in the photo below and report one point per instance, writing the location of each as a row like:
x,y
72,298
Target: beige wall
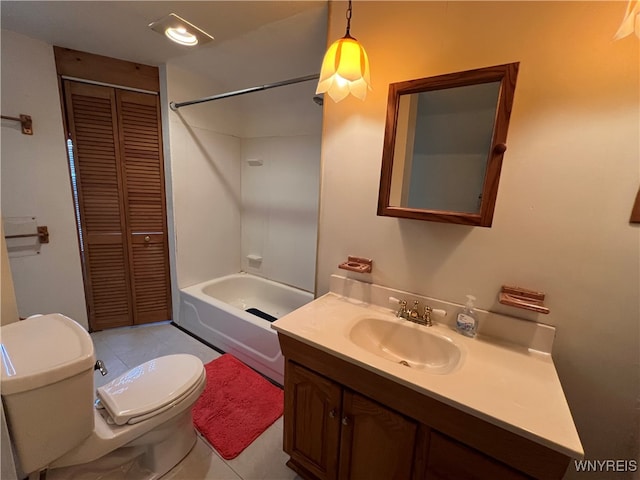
x,y
35,181
9,311
569,178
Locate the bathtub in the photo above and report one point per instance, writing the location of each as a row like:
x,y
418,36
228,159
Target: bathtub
x,y
215,311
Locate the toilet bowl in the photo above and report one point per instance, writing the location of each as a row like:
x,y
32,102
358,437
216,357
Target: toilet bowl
x,y
141,420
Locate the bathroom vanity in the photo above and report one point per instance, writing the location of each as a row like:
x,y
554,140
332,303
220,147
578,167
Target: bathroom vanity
x,y
377,408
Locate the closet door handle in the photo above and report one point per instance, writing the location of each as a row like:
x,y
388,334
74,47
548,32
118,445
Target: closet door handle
x,y
345,420
147,239
332,413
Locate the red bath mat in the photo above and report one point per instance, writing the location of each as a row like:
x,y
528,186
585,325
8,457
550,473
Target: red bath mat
x,y
237,405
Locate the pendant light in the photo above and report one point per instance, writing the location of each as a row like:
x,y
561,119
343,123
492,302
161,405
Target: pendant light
x,y
631,22
345,68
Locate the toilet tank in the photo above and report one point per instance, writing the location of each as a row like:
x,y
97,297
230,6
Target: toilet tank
x,y
47,387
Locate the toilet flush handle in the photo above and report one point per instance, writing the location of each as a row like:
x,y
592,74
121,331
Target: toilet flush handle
x,y
101,366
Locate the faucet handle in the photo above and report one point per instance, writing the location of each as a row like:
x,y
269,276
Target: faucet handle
x,y
101,366
435,311
426,316
402,311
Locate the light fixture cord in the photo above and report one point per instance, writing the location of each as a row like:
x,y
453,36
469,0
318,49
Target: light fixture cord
x,y
348,20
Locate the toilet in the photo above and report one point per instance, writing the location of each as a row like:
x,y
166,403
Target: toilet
x,y
141,421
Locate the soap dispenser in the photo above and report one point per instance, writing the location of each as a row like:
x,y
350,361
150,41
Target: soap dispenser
x,y
467,321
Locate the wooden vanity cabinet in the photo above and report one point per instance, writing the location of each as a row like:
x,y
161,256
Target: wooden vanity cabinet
x,y
375,441
344,422
451,460
312,406
332,432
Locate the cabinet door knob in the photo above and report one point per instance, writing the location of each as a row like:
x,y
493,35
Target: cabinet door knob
x,y
345,420
147,239
332,413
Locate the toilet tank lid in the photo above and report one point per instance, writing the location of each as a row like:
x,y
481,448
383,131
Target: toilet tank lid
x,y
43,350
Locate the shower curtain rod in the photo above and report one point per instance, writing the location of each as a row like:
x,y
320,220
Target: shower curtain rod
x,y
175,106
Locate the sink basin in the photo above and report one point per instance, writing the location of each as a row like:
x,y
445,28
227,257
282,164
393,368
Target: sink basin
x,y
406,343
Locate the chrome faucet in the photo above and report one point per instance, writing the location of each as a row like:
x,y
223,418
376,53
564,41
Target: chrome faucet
x,y
414,315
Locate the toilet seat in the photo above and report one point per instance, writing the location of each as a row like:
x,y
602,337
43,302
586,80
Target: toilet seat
x,y
150,388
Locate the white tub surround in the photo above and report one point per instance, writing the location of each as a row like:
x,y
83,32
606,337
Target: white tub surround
x,y
506,376
215,311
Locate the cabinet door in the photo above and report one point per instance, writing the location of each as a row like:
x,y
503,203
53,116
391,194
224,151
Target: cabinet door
x,y
450,460
311,421
375,442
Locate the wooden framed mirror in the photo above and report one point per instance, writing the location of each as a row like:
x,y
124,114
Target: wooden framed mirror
x,y
444,140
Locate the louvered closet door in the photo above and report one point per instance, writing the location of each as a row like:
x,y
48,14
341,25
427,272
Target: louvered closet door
x,y
120,178
92,121
141,157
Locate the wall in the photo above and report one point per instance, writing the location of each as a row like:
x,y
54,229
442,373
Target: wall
x,y
280,199
203,145
569,178
9,308
280,207
35,180
205,172
225,209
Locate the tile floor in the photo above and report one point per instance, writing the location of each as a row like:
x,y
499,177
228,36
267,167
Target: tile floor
x,y
125,348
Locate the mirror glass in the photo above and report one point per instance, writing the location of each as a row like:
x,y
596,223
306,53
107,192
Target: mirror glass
x,y
444,143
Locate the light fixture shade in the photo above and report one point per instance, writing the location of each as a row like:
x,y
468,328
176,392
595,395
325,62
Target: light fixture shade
x,y
345,70
631,22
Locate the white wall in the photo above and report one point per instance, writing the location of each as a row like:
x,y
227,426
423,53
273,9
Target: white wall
x,y
569,179
35,180
225,209
280,207
283,127
269,210
205,172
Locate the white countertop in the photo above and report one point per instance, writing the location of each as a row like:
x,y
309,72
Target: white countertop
x,y
505,384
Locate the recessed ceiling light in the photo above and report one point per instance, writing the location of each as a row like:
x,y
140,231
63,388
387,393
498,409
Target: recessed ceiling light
x,y
180,31
181,35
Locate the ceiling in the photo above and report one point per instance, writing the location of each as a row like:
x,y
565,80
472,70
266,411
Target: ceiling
x,y
255,42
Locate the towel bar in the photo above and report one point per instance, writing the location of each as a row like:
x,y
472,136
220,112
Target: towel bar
x,y
25,122
43,235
